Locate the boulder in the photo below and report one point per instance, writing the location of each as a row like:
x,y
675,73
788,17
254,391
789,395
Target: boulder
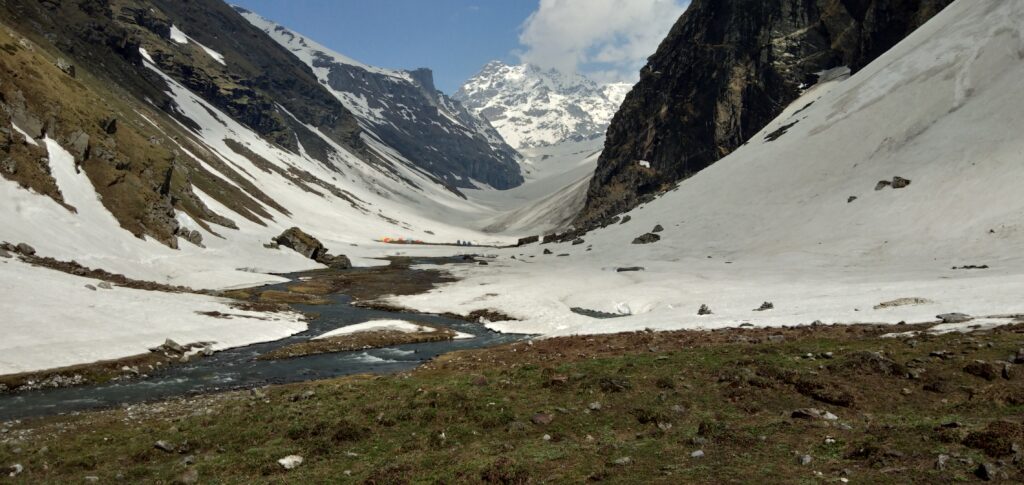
x,y
290,462
954,317
66,66
703,310
765,307
527,240
26,249
648,238
658,228
630,269
297,240
336,262
900,182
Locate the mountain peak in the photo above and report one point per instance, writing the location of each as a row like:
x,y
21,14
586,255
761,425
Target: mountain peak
x,y
533,107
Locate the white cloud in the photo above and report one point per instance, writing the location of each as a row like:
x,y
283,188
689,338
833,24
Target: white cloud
x,y
608,39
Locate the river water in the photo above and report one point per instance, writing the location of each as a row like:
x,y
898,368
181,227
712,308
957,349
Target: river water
x,y
238,368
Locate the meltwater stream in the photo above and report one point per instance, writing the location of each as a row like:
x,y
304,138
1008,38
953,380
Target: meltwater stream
x,y
238,368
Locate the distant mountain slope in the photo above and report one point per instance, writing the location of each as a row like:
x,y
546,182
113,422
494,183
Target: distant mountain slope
x,y
806,215
403,110
723,72
532,107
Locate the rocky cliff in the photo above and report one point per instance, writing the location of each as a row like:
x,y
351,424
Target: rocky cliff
x,y
403,110
725,70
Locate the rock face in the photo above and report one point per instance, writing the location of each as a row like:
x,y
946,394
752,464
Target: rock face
x,y
726,69
532,107
405,111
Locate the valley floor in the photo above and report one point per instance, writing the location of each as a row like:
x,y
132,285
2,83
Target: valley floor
x,y
831,404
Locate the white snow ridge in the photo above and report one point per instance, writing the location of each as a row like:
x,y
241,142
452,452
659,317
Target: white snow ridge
x,y
776,220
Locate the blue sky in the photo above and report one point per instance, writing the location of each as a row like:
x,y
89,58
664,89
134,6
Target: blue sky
x,y
605,39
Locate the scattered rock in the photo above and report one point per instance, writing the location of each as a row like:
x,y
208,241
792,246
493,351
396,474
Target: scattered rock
x,y
16,470
986,370
91,287
626,219
164,446
66,66
658,228
986,471
542,419
527,240
882,184
623,461
899,182
630,269
648,238
290,462
105,286
851,199
697,454
578,241
902,302
940,462
173,346
805,460
4,254
954,317
813,413
92,479
594,406
765,306
704,310
547,251
26,249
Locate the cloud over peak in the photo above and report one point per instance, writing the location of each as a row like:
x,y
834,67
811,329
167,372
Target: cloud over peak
x,y
609,40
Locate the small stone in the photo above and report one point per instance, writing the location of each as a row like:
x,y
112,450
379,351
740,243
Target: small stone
x,y
92,479
594,406
905,391
164,446
173,346
900,182
16,470
658,228
91,287
648,238
765,306
546,437
827,355
547,251
813,413
986,471
954,317
623,461
188,460
105,286
704,310
851,199
290,462
697,454
805,460
940,462
542,419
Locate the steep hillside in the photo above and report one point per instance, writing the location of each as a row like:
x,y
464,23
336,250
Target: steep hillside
x,y
170,142
532,107
888,196
403,110
726,69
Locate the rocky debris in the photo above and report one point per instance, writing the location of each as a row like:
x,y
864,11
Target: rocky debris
x,y
629,269
989,371
805,460
986,472
301,242
626,219
765,307
542,419
704,310
290,462
594,406
66,66
109,126
523,241
26,249
902,302
971,266
16,470
90,287
191,235
940,462
164,446
813,414
851,199
173,346
547,251
896,183
697,454
658,228
103,285
648,238
578,241
954,317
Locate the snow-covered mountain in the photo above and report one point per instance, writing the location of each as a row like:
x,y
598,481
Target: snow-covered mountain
x,y
403,110
806,214
533,107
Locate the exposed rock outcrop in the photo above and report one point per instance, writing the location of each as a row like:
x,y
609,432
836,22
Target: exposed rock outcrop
x,y
726,69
